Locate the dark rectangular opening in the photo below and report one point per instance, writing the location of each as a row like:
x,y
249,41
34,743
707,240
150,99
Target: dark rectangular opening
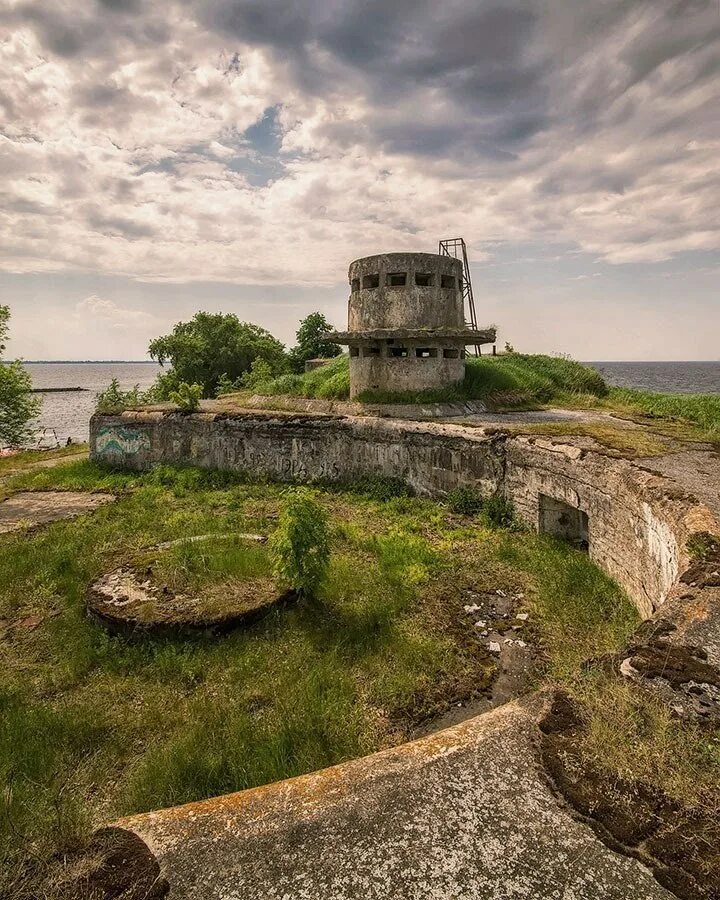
x,y
355,285
398,352
451,353
423,279
354,351
425,352
371,351
370,281
448,281
397,279
563,521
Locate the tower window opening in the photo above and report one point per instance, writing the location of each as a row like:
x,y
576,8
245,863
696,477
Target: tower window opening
x,y
355,285
448,281
397,279
399,352
354,352
451,353
371,281
371,351
425,352
423,279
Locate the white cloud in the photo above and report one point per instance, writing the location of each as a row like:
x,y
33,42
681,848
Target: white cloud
x,y
109,313
124,150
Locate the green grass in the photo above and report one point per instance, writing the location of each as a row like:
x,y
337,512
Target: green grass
x,y
510,380
702,410
21,460
95,727
525,381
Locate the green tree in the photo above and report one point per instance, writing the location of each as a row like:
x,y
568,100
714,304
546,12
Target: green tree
x,y
300,546
18,407
312,341
209,346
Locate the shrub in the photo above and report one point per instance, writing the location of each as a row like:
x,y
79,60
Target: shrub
x,y
300,547
18,407
380,487
115,400
499,511
187,396
465,500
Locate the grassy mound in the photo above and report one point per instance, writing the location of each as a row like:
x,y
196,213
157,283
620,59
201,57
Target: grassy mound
x,y
502,381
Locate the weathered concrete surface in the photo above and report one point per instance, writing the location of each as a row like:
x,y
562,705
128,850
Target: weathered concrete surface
x,y
33,508
406,323
676,653
409,305
408,411
638,520
463,814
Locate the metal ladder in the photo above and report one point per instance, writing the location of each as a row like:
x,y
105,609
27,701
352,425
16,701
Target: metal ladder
x,y
455,247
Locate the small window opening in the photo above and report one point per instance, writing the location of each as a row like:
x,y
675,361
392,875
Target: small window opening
x,y
397,279
399,352
451,353
370,281
371,351
354,351
447,281
423,279
425,352
563,521
355,285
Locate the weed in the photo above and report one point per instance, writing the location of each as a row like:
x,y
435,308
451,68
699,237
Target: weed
x,y
465,501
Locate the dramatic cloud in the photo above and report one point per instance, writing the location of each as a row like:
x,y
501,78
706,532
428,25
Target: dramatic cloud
x,y
269,142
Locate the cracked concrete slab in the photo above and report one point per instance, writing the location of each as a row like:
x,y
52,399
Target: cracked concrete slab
x,y
464,814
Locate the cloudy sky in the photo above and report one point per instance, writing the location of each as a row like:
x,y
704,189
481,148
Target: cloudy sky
x,y
235,155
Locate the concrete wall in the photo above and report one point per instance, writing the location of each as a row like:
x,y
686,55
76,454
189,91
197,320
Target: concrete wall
x,y
411,306
637,531
410,373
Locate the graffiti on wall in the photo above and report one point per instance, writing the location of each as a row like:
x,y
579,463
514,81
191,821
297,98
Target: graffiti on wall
x,y
118,440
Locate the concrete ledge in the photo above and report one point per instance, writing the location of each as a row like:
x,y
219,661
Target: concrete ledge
x,y
465,813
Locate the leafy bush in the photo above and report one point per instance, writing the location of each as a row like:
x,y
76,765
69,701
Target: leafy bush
x,y
18,407
213,345
494,510
187,396
499,511
300,547
380,487
115,400
465,501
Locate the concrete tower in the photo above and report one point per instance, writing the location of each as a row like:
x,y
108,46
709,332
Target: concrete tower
x,y
406,324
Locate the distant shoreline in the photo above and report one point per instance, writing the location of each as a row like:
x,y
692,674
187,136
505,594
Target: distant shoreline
x,y
88,362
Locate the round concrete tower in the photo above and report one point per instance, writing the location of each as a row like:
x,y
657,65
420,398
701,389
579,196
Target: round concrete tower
x,y
406,326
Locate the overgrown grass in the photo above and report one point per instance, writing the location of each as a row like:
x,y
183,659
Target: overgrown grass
x,y
25,458
527,381
702,410
95,726
511,380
